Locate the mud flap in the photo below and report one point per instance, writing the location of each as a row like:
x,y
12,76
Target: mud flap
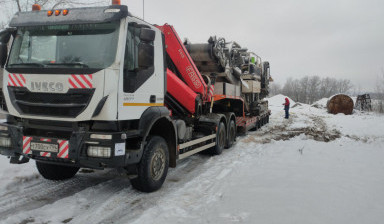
x,y
17,160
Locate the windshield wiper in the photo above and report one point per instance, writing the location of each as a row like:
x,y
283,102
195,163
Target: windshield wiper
x,y
70,64
27,64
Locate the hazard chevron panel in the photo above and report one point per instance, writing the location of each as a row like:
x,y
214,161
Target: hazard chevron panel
x,y
45,154
27,145
62,144
16,80
63,149
80,81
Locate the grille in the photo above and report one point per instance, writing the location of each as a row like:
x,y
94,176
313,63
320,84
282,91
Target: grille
x,y
70,104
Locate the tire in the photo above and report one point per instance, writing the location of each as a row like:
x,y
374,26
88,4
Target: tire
x,y
220,140
153,167
56,172
231,134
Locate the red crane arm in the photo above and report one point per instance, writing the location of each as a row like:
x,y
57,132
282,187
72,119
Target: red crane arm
x,y
183,61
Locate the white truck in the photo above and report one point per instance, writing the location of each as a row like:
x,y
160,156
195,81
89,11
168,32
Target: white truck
x,y
99,88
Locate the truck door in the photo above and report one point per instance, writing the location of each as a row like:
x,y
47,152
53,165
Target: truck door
x,y
142,71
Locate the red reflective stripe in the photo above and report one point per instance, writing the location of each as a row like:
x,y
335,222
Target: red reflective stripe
x,y
27,142
63,151
72,84
17,79
45,140
10,78
86,80
22,78
78,81
61,143
45,154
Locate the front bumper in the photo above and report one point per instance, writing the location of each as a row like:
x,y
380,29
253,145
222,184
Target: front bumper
x,y
73,150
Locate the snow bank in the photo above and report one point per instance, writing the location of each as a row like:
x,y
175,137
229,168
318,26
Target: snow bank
x,y
278,100
322,103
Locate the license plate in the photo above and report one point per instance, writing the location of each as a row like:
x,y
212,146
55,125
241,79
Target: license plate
x,y
45,147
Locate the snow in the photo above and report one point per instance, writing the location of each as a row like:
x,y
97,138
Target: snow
x,y
322,103
312,168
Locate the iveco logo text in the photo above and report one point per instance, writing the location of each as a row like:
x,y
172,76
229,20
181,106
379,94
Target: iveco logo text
x,y
47,86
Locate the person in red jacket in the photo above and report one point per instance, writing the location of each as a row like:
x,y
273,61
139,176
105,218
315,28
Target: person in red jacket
x,y
286,107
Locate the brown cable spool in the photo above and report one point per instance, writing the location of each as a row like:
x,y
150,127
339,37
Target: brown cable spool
x,y
340,104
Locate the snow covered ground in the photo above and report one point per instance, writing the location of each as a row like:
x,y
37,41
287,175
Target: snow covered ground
x,y
313,168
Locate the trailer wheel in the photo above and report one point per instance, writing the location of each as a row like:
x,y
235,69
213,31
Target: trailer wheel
x,y
56,172
220,140
231,134
153,166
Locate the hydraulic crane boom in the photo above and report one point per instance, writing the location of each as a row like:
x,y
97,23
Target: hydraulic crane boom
x,y
183,61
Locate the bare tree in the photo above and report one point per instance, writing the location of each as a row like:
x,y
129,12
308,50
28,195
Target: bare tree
x,y
304,87
344,85
313,90
379,107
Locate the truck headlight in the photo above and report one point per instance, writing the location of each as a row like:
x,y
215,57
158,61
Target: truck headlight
x,y
5,142
98,151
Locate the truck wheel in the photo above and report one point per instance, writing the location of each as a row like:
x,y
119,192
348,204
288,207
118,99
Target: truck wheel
x,y
220,140
231,134
153,166
56,172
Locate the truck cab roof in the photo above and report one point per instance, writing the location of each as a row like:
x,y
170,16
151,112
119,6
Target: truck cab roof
x,y
74,16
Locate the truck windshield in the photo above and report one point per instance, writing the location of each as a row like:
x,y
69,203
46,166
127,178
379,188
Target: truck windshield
x,y
79,46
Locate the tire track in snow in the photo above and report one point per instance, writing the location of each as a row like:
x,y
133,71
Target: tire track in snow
x,y
129,204
38,192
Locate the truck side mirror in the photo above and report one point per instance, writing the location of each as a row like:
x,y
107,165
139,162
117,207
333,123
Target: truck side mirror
x,y
147,35
146,55
3,54
4,39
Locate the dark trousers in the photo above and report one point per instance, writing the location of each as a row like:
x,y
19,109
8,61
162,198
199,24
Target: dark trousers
x,y
286,108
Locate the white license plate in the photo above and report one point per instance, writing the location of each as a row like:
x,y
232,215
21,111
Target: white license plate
x,y
45,147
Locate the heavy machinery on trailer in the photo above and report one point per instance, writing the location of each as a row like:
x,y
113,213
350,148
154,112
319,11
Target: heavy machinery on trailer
x,y
99,88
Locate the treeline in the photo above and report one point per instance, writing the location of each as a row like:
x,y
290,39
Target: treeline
x,y
309,89
378,102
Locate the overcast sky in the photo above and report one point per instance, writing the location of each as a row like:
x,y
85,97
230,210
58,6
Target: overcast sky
x,y
337,38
